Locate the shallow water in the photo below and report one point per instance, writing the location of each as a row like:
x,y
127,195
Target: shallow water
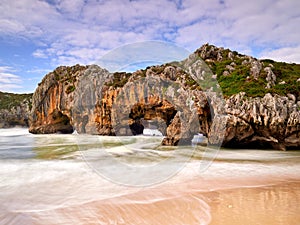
x,y
83,179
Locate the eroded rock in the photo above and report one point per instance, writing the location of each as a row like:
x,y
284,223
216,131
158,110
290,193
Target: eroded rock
x,y
178,97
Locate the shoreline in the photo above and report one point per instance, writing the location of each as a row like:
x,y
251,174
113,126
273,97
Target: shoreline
x,y
162,205
19,128
239,187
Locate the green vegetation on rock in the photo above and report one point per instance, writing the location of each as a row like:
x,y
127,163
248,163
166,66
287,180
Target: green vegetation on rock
x,y
234,74
119,79
70,89
10,100
287,75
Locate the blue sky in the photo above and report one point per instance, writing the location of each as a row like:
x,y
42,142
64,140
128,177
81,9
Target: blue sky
x,y
36,36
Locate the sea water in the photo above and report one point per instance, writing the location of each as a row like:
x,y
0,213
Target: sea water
x,y
85,179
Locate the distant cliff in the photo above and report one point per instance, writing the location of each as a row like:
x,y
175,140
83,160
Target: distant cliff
x,y
260,109
14,109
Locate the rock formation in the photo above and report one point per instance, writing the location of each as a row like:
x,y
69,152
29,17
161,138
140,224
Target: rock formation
x,y
14,109
270,122
182,99
102,103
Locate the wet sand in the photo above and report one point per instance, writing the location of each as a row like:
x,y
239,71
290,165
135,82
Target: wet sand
x,y
272,205
169,204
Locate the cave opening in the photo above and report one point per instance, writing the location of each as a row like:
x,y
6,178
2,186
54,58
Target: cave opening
x,y
61,123
151,115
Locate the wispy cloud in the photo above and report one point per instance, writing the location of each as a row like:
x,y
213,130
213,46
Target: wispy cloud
x,y
8,80
38,70
81,31
39,53
141,53
290,54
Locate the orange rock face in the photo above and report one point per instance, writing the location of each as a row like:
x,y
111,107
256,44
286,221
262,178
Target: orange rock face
x,y
91,100
101,103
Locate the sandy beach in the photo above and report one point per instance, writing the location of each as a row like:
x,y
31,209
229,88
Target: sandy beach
x,y
257,203
240,187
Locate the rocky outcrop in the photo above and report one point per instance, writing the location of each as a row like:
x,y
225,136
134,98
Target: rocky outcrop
x,y
181,99
68,99
272,121
14,109
102,103
52,101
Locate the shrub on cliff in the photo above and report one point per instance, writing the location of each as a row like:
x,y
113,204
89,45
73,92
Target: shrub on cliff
x,y
10,100
240,73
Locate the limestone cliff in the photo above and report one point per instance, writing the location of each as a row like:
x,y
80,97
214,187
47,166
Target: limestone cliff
x,y
14,109
271,121
181,99
113,104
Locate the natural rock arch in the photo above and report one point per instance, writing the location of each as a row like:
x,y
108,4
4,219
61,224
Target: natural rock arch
x,y
171,105
160,112
56,122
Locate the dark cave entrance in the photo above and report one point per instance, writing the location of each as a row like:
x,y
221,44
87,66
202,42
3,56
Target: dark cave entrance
x,y
61,123
152,115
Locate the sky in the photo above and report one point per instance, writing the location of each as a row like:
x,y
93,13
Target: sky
x,y
36,36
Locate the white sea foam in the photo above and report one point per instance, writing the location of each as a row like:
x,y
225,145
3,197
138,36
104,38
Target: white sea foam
x,y
14,132
34,180
152,132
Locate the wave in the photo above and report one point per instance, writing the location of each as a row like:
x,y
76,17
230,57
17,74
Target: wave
x,y
10,132
45,179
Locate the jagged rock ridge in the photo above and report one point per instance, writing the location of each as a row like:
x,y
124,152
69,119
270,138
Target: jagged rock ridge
x,y
92,100
241,73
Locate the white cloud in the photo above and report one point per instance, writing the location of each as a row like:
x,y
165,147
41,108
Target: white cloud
x,y
289,54
38,70
29,18
141,53
79,56
11,26
265,24
39,54
71,8
8,80
80,31
250,27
